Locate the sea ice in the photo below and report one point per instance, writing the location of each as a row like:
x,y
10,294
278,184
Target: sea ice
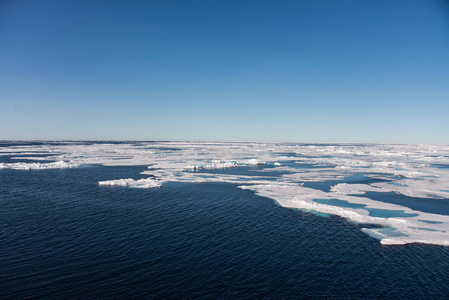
x,y
410,170
38,166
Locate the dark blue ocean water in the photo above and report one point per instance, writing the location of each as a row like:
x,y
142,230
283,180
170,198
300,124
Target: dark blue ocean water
x,y
63,236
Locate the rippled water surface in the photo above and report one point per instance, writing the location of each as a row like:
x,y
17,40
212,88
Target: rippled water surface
x,y
63,236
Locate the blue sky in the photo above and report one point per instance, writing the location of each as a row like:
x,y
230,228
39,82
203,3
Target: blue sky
x,y
300,71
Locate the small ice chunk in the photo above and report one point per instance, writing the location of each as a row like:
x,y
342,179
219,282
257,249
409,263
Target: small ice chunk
x,y
254,161
129,182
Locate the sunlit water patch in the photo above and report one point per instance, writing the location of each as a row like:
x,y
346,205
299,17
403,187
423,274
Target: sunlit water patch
x,y
326,185
385,213
429,205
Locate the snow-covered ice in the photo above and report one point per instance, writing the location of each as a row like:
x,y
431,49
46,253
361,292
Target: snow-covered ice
x,y
38,166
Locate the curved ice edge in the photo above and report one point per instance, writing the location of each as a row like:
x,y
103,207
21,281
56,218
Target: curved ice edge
x,y
407,228
144,183
38,166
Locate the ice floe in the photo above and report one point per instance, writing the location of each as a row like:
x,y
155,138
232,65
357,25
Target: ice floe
x,y
38,166
129,182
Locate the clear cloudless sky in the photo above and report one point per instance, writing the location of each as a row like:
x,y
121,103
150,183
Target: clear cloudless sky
x,y
225,70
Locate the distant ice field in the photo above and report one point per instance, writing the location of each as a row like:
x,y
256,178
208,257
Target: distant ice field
x,y
401,189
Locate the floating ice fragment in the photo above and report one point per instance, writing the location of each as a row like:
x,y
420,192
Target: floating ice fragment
x,y
141,183
216,164
38,166
254,162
